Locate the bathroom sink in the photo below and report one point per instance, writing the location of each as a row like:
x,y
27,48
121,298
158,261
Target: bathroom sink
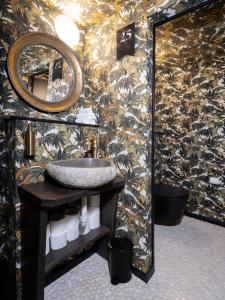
x,y
82,172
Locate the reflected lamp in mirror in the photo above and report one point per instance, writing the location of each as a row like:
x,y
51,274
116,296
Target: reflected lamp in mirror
x,y
67,30
45,72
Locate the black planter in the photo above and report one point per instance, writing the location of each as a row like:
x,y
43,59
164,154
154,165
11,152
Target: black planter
x,y
169,204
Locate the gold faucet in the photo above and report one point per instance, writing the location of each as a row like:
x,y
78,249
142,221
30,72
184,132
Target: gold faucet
x,y
94,147
92,151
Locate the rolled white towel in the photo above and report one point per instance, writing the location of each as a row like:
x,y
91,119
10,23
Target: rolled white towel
x,y
58,232
94,200
94,215
58,241
47,247
58,226
72,227
84,226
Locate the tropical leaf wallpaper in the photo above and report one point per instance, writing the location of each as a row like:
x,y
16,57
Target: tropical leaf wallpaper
x,y
85,13
120,93
91,13
17,18
190,106
7,237
120,90
7,209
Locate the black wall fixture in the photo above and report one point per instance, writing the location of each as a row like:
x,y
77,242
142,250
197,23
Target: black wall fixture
x,y
126,41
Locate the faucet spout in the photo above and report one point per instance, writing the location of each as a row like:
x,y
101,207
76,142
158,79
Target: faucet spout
x,y
94,147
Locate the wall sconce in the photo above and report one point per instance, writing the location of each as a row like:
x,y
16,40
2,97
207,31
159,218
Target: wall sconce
x,y
67,30
29,142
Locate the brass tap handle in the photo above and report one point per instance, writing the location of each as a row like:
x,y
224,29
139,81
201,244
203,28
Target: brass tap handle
x,y
29,141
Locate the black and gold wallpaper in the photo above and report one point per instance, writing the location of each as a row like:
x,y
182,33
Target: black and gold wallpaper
x,y
17,18
54,141
7,214
7,240
120,91
190,106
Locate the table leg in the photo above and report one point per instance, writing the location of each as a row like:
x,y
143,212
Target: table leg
x,y
34,223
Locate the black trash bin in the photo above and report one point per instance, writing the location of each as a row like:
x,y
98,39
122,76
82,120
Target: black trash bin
x,y
120,251
169,204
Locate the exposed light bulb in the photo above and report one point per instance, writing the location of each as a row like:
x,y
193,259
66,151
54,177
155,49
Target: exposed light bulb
x,y
67,30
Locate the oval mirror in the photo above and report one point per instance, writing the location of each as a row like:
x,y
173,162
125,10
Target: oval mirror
x,y
45,72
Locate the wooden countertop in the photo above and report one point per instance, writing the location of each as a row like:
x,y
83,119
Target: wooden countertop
x,y
50,194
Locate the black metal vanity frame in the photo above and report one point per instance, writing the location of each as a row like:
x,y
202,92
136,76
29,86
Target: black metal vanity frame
x,y
38,270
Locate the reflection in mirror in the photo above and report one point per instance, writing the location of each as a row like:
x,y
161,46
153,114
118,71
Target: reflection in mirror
x,y
45,73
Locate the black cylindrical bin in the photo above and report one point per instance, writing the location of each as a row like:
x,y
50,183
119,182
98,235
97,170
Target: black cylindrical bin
x,y
169,204
120,252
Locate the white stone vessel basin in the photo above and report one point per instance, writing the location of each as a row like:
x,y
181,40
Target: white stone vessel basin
x,y
82,172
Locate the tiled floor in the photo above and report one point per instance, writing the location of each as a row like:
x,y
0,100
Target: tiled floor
x,y
190,265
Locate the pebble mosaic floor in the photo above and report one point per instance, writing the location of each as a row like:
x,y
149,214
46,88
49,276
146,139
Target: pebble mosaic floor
x,y
190,265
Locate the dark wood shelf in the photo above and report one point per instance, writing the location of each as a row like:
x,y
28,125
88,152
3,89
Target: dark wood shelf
x,y
45,120
77,246
51,194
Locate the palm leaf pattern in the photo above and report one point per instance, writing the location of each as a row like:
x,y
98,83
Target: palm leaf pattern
x,y
189,103
120,94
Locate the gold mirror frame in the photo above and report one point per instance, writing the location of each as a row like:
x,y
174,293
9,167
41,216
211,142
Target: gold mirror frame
x,y
36,38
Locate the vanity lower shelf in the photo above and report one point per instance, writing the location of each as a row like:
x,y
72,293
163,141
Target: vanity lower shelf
x,y
75,247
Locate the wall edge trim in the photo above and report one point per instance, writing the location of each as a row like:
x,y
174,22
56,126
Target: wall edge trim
x,y
204,219
144,276
45,120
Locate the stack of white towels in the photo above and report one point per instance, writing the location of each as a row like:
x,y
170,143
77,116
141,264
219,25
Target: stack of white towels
x,y
94,211
66,228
